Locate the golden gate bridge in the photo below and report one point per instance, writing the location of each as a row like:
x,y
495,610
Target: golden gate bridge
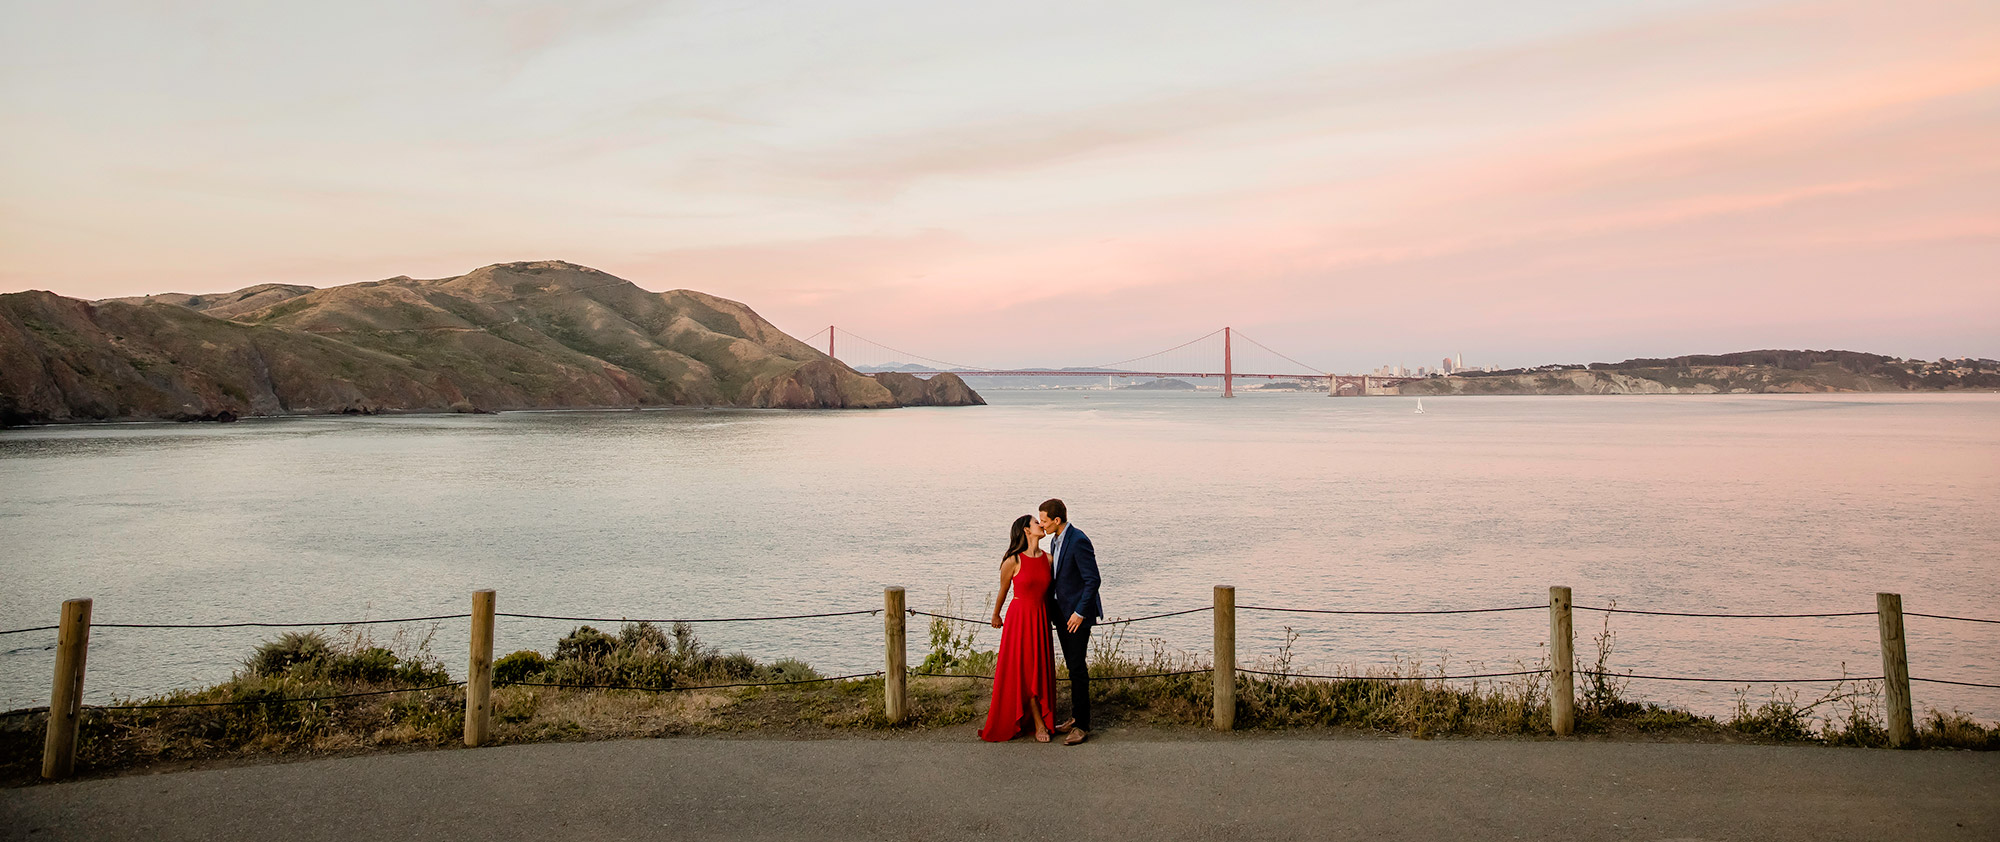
x,y
1198,358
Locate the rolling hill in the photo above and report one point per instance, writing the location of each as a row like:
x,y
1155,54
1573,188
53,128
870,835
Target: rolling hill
x,y
531,335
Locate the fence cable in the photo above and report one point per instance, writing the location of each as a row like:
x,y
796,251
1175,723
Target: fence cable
x,y
693,620
1959,683
689,687
1357,611
915,612
329,624
278,701
273,625
1948,617
1732,680
989,621
1158,616
1729,616
1388,677
1092,678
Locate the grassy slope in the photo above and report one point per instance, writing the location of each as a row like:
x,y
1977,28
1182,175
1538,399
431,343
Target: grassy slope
x,y
521,335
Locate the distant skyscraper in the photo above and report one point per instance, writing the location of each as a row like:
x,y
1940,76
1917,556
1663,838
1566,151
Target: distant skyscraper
x,y
1447,367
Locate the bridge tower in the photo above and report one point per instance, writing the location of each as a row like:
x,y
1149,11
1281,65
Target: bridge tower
x,y
829,340
1228,369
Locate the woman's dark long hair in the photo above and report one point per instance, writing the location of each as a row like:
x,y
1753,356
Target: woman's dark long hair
x,y
1017,537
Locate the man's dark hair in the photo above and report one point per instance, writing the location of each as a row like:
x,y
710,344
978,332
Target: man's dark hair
x,y
1055,509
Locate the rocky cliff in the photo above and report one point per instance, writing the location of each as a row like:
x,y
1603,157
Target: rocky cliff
x,y
510,336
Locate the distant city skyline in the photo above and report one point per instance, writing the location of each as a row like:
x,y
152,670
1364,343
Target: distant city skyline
x,y
1550,181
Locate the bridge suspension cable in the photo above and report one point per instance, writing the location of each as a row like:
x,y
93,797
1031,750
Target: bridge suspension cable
x,y
1209,335
932,360
1316,370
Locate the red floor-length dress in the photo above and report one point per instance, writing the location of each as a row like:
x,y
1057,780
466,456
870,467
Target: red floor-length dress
x,y
1026,667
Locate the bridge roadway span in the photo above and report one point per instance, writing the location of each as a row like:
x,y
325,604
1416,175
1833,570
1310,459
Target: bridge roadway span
x,y
1123,786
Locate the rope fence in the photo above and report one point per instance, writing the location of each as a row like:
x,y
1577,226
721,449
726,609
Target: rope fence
x,y
264,625
1388,677
688,686
1948,617
1958,683
689,621
277,701
1092,678
1724,616
66,706
1360,611
916,612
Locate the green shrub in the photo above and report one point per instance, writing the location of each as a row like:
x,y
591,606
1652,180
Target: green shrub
x,y
788,669
645,637
371,664
291,649
735,665
644,656
585,644
520,666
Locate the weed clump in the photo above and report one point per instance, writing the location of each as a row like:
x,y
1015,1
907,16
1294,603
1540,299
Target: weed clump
x,y
955,645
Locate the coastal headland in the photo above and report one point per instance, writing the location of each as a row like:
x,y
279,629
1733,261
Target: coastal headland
x,y
1746,372
532,335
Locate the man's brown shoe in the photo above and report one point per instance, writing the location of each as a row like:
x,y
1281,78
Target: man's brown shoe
x,y
1065,726
1076,737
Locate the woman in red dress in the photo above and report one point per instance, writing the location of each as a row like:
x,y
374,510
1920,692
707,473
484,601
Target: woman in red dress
x,y
1024,675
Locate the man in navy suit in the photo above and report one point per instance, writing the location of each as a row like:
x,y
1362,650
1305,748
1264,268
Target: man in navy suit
x,y
1073,609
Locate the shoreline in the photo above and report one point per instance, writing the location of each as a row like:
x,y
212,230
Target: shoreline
x,y
416,413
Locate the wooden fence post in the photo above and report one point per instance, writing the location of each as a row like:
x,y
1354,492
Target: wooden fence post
x,y
895,681
479,675
66,696
1562,663
1895,669
1225,657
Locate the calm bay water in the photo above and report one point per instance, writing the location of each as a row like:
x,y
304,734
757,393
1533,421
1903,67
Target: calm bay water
x,y
1724,504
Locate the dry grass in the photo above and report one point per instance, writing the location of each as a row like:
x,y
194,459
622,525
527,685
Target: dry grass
x,y
1406,698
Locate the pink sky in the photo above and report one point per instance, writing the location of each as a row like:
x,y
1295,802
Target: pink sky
x,y
1355,184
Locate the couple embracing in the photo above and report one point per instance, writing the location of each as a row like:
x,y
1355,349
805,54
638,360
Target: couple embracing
x,y
1052,569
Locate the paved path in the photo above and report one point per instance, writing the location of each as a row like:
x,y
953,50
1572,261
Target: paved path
x,y
1110,789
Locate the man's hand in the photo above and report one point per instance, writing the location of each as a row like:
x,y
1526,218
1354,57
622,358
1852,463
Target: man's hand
x,y
1075,622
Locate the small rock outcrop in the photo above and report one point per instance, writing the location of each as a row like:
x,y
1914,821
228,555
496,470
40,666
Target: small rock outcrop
x,y
940,390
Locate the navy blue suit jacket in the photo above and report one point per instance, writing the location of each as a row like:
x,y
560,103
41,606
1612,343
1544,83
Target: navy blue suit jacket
x,y
1075,588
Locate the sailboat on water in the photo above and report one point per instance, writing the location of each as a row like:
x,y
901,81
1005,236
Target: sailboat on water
x,y
1420,406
